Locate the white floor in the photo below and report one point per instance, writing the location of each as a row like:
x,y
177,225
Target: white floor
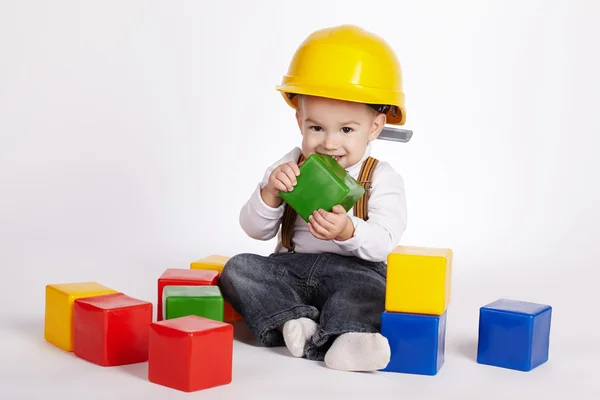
x,y
32,368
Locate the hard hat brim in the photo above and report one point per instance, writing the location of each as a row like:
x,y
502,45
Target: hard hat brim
x,y
352,93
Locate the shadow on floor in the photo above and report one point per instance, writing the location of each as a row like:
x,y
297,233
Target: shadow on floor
x,y
30,328
241,333
139,370
281,350
466,347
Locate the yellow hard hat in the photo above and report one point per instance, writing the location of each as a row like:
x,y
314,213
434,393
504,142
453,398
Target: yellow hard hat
x,y
347,63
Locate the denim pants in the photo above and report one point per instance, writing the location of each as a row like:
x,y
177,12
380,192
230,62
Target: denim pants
x,y
341,293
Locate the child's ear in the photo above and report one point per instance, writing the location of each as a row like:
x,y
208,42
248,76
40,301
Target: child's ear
x,y
299,120
377,126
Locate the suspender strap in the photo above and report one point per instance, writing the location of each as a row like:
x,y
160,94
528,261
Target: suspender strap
x,y
289,218
361,207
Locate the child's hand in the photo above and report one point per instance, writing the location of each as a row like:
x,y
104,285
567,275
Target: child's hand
x,y
282,178
331,225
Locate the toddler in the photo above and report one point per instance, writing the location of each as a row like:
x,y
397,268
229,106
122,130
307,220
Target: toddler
x,y
322,291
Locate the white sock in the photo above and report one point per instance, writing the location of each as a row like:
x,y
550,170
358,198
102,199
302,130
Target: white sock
x,y
296,333
357,351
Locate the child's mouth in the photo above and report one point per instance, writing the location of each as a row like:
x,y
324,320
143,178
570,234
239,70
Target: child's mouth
x,y
336,158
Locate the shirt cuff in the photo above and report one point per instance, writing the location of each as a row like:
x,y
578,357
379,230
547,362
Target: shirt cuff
x,y
262,208
358,239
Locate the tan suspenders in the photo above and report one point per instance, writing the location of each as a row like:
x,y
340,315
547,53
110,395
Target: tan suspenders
x,y
360,208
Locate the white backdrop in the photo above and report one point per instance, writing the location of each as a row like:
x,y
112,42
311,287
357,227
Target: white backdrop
x,y
131,132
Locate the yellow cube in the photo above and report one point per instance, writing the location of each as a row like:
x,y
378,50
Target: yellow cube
x,y
58,323
213,263
418,280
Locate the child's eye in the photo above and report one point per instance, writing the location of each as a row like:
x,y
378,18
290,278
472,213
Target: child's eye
x,y
346,129
316,128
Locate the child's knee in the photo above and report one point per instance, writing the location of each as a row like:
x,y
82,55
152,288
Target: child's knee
x,y
231,270
238,270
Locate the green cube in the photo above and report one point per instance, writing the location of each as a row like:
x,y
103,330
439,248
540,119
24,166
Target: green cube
x,y
203,301
322,184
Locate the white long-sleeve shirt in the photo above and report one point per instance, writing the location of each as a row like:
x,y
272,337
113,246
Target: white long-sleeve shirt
x,y
373,240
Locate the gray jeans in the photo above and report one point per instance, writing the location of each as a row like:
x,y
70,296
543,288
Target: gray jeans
x,y
342,294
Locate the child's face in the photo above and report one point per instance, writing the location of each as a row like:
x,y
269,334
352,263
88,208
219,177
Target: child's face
x,y
337,128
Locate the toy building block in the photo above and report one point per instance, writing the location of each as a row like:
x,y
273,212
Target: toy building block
x,y
514,334
111,329
58,321
190,353
322,184
229,314
217,263
213,262
418,280
417,342
183,277
203,301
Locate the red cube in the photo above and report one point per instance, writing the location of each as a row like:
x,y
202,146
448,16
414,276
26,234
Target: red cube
x,y
111,329
183,277
190,353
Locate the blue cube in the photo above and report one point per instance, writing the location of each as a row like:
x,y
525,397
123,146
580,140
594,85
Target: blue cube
x,y
514,334
417,342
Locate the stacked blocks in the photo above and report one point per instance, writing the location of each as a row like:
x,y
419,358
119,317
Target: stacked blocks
x,y
183,277
217,262
417,342
190,353
203,301
322,184
419,280
111,329
60,298
108,328
417,298
514,334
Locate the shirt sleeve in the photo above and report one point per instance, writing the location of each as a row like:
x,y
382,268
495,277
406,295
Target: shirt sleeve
x,y
375,238
259,220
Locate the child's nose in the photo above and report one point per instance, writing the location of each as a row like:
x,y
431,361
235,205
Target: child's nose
x,y
330,142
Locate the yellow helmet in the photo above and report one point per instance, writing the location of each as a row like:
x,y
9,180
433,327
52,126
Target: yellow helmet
x,y
347,63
